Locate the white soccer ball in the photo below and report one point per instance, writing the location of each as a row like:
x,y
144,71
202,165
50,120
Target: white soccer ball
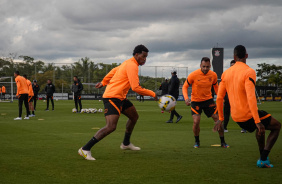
x,y
82,111
100,110
87,111
167,103
93,110
74,110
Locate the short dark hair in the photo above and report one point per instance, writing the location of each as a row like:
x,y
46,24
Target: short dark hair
x,y
240,51
17,72
206,59
25,76
233,61
139,49
34,80
75,76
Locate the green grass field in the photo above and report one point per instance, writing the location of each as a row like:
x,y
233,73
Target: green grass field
x,y
45,151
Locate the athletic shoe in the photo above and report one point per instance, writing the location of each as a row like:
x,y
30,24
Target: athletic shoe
x,y
162,111
32,115
224,145
225,130
169,121
46,109
196,145
27,117
264,164
243,131
85,154
129,147
18,118
178,119
53,109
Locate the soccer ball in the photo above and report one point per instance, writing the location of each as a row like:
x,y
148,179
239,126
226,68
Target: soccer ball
x,y
87,111
74,110
93,110
100,110
167,103
82,111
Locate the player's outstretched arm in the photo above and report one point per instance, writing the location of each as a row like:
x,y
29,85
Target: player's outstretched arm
x,y
109,76
99,85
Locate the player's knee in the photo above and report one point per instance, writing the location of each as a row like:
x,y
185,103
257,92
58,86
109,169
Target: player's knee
x,y
111,128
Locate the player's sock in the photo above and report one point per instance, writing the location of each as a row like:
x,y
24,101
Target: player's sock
x,y
33,112
90,144
222,139
126,139
264,155
197,138
260,151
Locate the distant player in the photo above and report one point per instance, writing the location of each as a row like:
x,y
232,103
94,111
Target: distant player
x,y
239,82
22,94
77,87
173,90
3,92
119,80
36,89
30,97
49,90
202,80
227,106
164,87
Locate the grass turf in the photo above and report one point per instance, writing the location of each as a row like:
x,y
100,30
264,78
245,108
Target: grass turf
x,y
45,151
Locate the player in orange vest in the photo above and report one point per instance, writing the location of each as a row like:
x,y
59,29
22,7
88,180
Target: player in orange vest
x,y
22,94
118,81
30,96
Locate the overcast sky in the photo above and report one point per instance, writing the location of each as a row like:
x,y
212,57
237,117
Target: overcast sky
x,y
177,32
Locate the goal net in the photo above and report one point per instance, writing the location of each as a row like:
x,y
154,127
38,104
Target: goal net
x,y
7,86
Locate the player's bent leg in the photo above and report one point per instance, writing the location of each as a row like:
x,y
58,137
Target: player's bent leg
x,y
111,124
274,128
133,116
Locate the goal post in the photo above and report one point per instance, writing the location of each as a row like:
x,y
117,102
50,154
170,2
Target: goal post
x,y
8,83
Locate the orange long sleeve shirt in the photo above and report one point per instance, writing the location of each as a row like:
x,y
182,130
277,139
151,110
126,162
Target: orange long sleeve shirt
x,y
3,89
30,90
239,82
122,78
201,85
22,87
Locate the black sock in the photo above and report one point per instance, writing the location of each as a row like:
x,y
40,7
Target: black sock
x,y
126,140
90,144
33,112
264,155
197,138
222,139
260,151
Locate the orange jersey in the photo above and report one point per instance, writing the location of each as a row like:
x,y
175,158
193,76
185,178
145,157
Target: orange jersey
x,y
3,89
239,82
30,90
122,78
201,85
22,87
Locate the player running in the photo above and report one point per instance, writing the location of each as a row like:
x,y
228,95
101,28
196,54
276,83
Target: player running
x,y
239,82
22,94
119,80
50,90
36,89
30,96
202,80
77,87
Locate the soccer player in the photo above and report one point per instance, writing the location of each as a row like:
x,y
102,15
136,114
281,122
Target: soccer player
x,y
227,105
119,80
22,94
77,87
36,89
173,90
239,82
3,91
202,80
50,90
30,96
164,87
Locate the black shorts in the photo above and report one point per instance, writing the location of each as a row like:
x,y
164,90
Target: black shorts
x,y
35,97
77,97
115,106
30,98
250,124
208,106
